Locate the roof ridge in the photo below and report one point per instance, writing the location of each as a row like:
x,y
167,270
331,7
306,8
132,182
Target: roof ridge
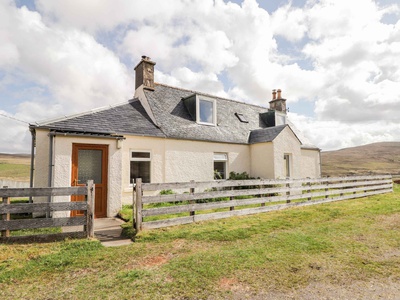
x,y
209,95
88,112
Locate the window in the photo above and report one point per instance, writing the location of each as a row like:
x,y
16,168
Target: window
x,y
202,109
280,119
206,111
241,118
286,160
220,160
140,166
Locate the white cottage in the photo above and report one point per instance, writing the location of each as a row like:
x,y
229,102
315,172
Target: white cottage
x,y
168,134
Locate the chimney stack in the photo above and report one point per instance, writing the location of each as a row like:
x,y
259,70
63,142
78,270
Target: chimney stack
x,y
144,73
277,103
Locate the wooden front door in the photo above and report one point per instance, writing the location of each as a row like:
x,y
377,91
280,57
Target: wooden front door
x,y
90,162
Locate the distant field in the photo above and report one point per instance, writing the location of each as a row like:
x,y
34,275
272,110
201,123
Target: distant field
x,y
377,158
15,166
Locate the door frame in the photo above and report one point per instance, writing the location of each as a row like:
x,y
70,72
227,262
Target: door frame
x,y
103,188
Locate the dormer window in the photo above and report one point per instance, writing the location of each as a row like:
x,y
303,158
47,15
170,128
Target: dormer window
x,y
206,111
202,109
280,119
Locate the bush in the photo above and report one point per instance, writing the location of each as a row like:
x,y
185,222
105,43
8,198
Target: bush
x,y
239,176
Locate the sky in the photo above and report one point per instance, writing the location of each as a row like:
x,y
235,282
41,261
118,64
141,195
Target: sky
x,y
337,62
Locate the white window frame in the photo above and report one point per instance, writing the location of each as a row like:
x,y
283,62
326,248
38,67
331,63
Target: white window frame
x,y
280,119
131,151
213,101
223,157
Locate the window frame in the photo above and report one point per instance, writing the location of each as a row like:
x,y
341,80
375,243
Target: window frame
x,y
280,119
287,162
223,160
131,151
214,112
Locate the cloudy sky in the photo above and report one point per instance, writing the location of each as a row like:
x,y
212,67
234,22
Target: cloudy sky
x,y
337,61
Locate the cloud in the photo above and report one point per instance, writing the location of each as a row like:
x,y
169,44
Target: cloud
x,y
71,56
335,135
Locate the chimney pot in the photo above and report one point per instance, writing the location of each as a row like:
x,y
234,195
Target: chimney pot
x,y
277,103
273,94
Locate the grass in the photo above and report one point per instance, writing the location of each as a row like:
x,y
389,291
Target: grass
x,y
336,243
14,171
14,166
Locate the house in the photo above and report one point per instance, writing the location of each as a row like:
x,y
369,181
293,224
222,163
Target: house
x,y
168,134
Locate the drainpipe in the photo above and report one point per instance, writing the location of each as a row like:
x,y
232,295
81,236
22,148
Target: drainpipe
x,y
51,162
33,144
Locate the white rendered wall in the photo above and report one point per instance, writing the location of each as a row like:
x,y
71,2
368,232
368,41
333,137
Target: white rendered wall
x,y
181,160
287,143
310,163
41,162
194,160
174,161
262,160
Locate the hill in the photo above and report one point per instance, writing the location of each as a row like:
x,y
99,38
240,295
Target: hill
x,y
15,166
376,158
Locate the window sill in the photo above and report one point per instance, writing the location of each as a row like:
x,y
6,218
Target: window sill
x,y
207,124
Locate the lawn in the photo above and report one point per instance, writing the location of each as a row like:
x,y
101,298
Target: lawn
x,y
323,250
14,171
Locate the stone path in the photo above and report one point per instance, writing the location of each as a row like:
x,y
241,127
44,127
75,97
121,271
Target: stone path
x,y
108,232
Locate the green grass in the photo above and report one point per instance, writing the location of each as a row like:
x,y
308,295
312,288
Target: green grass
x,y
14,171
336,243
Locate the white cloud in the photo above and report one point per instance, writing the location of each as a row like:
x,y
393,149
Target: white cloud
x,y
289,22
222,48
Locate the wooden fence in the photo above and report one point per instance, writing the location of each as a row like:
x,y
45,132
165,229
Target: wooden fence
x,y
222,199
7,208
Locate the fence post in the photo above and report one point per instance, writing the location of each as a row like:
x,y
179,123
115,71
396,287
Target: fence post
x,y
90,209
309,190
231,198
6,217
133,203
288,193
139,205
192,213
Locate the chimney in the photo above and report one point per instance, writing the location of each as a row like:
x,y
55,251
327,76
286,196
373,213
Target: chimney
x,y
277,103
144,73
279,94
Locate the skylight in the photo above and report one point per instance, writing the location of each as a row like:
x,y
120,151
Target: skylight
x,y
241,118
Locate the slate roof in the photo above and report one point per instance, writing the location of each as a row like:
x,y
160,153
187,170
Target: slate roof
x,y
265,134
173,119
176,122
128,118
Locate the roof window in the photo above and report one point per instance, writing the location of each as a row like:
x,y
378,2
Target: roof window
x,y
241,118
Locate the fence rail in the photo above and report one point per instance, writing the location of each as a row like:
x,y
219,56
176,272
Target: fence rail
x,y
7,208
243,197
